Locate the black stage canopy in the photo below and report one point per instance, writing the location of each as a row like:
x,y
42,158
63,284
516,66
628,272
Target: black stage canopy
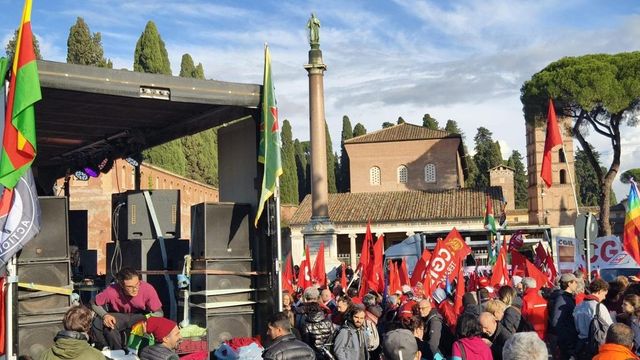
x,y
88,113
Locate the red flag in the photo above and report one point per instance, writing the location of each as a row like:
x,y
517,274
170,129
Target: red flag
x,y
287,275
457,305
394,278
500,274
319,274
404,274
363,264
446,258
421,266
534,272
304,276
375,275
343,279
552,140
518,264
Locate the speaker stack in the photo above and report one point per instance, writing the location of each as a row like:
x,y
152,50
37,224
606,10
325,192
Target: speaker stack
x,y
136,244
225,279
44,261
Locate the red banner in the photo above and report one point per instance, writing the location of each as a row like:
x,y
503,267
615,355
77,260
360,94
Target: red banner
x,y
446,258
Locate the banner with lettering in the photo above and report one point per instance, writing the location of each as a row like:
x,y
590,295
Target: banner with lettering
x,y
446,259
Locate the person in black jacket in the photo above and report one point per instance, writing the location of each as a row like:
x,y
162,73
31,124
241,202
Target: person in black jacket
x,y
437,338
284,345
512,315
562,327
317,329
493,331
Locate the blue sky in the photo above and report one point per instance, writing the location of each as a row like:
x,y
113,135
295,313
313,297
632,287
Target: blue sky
x,y
462,60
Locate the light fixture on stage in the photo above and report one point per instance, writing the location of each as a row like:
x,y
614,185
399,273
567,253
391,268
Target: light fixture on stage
x,y
133,162
81,175
91,171
105,165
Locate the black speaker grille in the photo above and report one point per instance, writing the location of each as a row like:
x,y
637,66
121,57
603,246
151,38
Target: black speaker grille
x,y
46,273
134,219
52,243
204,282
224,324
35,338
221,230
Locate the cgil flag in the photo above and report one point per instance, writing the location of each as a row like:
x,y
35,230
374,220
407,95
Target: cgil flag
x,y
270,143
552,140
319,274
632,223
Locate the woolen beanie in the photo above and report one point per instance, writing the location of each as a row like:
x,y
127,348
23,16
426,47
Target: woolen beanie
x,y
399,344
160,327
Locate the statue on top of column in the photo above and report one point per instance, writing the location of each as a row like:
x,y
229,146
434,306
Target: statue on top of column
x,y
314,30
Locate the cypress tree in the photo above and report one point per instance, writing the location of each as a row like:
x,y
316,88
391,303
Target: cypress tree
x,y
344,183
199,72
387,124
519,179
151,55
487,156
453,128
187,67
430,123
331,162
301,169
84,48
359,130
10,49
400,120
289,178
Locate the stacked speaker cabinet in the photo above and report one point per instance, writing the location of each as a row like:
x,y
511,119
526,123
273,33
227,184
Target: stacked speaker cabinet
x,y
134,217
44,261
225,277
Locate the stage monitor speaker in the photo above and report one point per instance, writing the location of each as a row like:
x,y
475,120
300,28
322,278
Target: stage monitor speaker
x,y
236,285
223,324
134,219
54,273
52,243
35,335
221,230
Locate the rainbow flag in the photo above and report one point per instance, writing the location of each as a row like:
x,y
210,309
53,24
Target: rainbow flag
x,y
632,223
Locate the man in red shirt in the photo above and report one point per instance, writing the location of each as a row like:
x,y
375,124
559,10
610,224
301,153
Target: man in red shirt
x,y
534,307
120,306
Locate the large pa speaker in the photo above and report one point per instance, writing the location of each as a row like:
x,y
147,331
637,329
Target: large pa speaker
x,y
233,282
223,324
35,335
133,218
221,230
52,243
34,302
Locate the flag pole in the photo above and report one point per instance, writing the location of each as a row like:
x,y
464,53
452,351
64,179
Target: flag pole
x,y
278,264
12,278
573,185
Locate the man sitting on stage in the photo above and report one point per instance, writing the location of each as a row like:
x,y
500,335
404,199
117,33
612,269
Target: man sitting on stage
x,y
120,306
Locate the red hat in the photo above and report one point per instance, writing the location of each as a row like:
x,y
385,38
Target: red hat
x,y
160,327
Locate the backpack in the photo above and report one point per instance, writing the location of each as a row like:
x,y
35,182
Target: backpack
x,y
371,335
597,336
446,336
524,325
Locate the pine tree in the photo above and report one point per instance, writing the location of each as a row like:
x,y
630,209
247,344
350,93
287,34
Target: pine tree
x,y
487,156
151,55
344,178
519,179
387,124
586,179
331,162
430,123
302,161
10,49
169,156
453,128
289,178
472,170
84,48
187,67
359,130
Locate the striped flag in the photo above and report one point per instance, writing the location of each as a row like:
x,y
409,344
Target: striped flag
x,y
632,223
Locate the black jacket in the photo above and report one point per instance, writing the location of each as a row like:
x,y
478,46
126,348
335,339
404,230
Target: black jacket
x,y
511,319
437,337
561,321
286,347
316,330
499,337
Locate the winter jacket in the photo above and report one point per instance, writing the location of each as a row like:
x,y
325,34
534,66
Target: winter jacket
x,y
511,319
561,322
348,344
437,337
71,345
615,352
316,330
584,313
286,347
157,352
474,348
499,337
534,309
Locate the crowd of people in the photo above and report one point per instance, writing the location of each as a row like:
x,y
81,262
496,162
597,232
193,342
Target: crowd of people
x,y
576,319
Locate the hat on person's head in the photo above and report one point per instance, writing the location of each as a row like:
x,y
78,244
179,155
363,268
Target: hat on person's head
x,y
516,280
406,310
160,327
439,295
406,289
568,277
399,344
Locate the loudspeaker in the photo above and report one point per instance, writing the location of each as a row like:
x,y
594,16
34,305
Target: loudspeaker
x,y
221,230
79,228
234,286
35,335
33,302
88,263
224,323
133,218
52,243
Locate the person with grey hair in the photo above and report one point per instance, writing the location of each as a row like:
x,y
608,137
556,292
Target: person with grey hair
x,y
525,346
534,307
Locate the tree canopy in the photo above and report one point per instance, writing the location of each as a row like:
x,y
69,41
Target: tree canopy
x,y
331,162
359,130
487,156
626,176
598,92
387,124
430,122
289,178
453,128
85,48
151,55
344,173
10,49
519,180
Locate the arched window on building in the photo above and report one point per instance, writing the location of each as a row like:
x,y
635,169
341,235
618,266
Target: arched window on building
x,y
563,176
563,159
403,174
374,176
430,173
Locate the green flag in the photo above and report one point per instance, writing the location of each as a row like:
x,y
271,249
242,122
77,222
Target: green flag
x,y
270,144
